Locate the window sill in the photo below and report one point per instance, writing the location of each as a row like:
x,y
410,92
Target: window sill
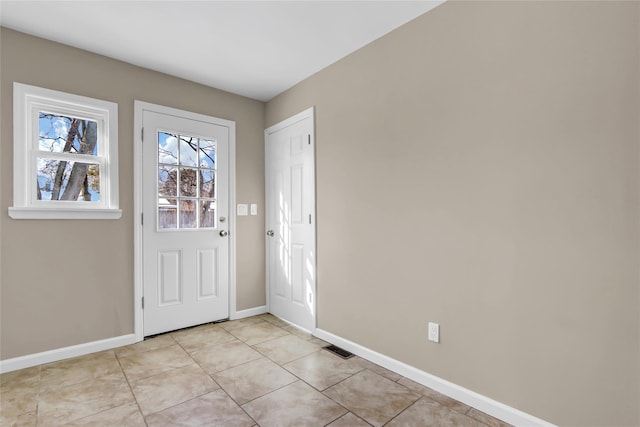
x,y
63,213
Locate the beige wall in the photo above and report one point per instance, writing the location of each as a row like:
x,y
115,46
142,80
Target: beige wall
x,y
479,167
55,291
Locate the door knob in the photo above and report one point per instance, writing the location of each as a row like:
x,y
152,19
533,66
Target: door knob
x,y
270,233
223,233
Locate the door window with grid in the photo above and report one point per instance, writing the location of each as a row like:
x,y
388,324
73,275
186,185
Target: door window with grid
x,y
186,181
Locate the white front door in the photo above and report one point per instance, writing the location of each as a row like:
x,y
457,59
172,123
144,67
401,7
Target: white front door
x,y
290,219
185,206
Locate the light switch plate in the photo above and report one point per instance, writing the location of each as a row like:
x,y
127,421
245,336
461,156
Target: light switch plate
x,y
243,209
254,209
434,332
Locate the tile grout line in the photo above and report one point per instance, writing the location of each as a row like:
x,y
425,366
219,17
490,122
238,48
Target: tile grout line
x,y
234,401
350,376
338,417
268,393
405,409
436,402
288,361
323,390
126,378
310,385
205,372
382,376
243,327
302,379
232,367
74,383
38,397
262,355
261,342
210,375
352,413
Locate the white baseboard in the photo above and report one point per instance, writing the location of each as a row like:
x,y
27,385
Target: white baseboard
x,y
485,404
248,312
30,360
36,359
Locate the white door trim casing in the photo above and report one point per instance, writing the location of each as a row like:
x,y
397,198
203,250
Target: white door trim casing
x,y
309,113
139,107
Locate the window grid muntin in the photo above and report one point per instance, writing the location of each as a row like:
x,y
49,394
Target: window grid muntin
x,y
98,159
179,197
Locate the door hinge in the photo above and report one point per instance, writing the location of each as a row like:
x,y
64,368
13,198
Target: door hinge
x,y
142,134
141,219
143,303
309,139
309,218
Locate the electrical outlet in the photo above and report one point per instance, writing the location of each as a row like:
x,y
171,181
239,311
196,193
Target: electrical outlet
x,y
434,332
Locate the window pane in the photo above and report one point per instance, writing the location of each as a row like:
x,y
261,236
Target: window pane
x,y
73,181
66,134
207,214
207,154
188,151
188,182
207,179
167,181
167,217
188,214
167,148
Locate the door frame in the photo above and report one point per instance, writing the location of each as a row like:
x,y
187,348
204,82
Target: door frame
x,y
308,113
139,108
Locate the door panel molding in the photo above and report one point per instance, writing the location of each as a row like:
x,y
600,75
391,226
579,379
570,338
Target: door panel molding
x,y
169,277
207,269
139,108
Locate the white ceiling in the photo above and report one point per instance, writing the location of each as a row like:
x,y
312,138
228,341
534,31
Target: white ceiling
x,y
253,48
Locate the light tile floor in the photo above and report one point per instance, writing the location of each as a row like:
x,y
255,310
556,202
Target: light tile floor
x,y
257,371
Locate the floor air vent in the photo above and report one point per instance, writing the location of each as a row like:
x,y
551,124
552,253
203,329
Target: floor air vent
x,y
339,351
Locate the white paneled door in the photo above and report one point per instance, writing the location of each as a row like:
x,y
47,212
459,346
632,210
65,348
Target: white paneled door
x,y
185,223
290,219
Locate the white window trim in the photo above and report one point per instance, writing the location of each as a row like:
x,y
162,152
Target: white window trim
x,y
27,102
